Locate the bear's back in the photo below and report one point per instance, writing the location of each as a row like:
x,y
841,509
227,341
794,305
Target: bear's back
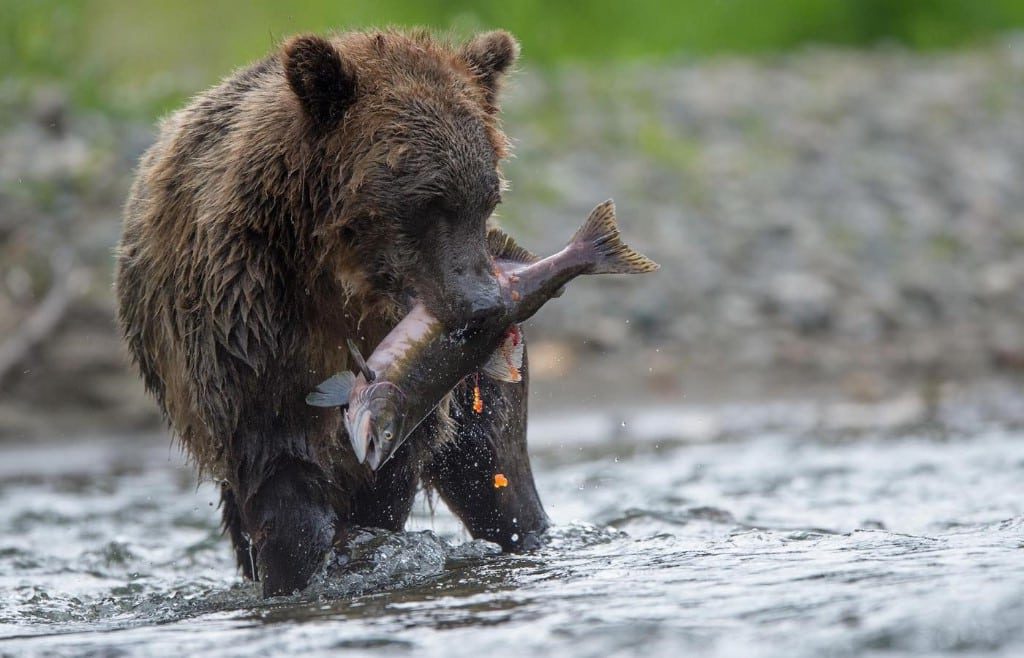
x,y
208,279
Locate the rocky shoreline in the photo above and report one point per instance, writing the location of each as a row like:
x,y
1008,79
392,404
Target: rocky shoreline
x,y
846,222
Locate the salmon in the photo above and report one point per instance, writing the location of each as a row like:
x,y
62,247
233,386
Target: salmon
x,y
420,360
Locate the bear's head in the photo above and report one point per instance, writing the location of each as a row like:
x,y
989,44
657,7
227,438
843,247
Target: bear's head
x,y
406,135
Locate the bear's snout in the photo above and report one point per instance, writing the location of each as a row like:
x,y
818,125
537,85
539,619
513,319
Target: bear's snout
x,y
478,296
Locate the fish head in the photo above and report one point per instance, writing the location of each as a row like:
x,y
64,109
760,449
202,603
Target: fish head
x,y
375,421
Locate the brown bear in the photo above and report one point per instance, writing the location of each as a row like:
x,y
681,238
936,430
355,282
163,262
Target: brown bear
x,y
303,201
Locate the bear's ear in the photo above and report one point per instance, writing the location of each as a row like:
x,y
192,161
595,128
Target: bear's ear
x,y
489,55
320,78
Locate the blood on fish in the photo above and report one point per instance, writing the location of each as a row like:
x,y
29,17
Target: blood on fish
x,y
516,338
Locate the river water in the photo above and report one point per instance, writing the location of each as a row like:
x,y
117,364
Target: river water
x,y
767,543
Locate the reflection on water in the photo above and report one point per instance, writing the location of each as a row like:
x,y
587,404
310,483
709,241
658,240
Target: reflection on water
x,y
768,545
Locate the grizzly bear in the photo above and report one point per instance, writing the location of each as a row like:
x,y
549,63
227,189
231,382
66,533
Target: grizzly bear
x,y
305,200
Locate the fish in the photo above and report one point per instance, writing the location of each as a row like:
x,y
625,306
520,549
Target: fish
x,y
420,360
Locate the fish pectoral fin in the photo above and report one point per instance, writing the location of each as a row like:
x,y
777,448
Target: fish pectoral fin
x,y
506,363
333,391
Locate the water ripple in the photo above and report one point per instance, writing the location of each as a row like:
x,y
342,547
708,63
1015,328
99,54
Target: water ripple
x,y
762,547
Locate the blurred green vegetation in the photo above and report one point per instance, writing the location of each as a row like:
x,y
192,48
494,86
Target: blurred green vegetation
x,y
126,56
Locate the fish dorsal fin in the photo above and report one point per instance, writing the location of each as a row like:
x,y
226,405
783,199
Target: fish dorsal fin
x,y
506,363
360,361
502,246
333,391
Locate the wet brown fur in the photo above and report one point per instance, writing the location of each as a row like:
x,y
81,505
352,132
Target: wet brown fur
x,y
260,234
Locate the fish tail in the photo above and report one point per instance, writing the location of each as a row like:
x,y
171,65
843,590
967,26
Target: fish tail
x,y
600,235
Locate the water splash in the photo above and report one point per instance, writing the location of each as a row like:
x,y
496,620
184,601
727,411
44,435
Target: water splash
x,y
764,546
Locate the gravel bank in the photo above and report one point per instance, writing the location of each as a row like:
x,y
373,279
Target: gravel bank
x,y
853,218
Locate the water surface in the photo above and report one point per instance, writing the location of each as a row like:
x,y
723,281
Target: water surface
x,y
767,545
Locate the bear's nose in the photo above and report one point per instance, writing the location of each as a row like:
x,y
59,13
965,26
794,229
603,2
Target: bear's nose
x,y
481,298
485,305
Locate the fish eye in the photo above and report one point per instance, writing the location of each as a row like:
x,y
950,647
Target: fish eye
x,y
388,435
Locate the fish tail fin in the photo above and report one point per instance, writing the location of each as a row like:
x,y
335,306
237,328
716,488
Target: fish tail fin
x,y
600,235
333,391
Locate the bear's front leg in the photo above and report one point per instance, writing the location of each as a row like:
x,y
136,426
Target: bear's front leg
x,y
234,527
384,499
291,524
484,475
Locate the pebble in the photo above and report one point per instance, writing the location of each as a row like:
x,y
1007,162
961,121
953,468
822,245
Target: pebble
x,y
830,209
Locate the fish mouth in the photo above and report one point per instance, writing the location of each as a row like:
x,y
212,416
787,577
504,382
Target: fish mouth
x,y
375,455
368,448
361,422
380,449
360,432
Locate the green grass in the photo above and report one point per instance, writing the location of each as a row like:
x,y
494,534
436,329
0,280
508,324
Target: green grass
x,y
143,56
